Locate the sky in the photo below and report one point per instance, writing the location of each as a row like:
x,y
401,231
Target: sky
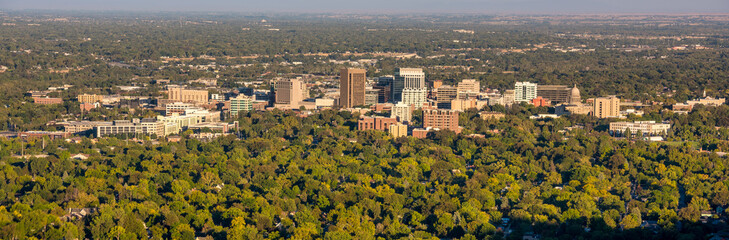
x,y
383,6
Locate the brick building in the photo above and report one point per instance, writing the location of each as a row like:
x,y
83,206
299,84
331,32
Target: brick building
x,y
441,119
376,123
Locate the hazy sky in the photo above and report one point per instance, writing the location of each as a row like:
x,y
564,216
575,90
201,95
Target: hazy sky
x,y
385,6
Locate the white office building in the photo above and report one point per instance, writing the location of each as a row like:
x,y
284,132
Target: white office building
x,y
650,128
409,86
402,112
525,91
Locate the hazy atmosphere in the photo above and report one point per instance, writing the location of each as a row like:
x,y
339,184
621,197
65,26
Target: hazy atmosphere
x,y
382,6
364,120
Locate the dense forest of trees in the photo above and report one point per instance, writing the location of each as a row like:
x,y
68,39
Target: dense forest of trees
x,y
318,177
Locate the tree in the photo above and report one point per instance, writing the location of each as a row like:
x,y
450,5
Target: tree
x,y
444,224
632,220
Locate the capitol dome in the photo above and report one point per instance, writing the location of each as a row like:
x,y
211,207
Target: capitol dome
x,y
575,95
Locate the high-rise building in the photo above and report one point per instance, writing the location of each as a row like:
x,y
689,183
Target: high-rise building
x,y
177,94
554,93
415,97
385,86
524,91
240,103
444,95
372,96
606,107
352,87
441,119
409,86
402,112
396,90
290,92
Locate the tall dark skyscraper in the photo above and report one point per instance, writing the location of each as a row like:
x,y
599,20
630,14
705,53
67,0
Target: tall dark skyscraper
x,y
352,87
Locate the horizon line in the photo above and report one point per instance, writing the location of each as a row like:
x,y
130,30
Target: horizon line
x,y
378,13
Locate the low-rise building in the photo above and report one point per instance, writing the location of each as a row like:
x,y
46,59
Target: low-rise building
x,y
191,117
682,107
469,87
177,108
509,97
41,134
77,213
47,100
85,107
707,101
90,98
178,94
217,97
540,102
420,133
210,82
646,127
240,103
37,94
259,105
632,111
462,105
324,102
144,127
506,99
398,130
75,127
543,116
491,115
382,107
574,108
221,127
376,123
